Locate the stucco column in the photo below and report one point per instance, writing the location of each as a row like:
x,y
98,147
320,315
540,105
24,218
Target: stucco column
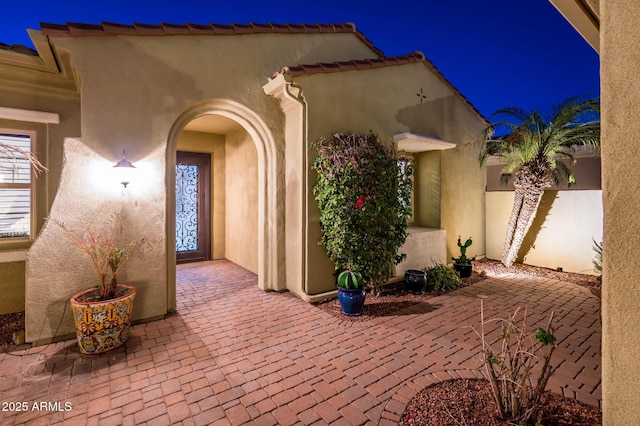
x,y
619,38
296,165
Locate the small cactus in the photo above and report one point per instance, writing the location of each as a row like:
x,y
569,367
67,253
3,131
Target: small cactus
x,y
350,279
463,259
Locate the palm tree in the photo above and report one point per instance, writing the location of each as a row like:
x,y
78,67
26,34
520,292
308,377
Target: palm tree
x,y
531,147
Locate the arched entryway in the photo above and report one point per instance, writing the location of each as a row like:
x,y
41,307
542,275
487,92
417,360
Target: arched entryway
x,y
269,215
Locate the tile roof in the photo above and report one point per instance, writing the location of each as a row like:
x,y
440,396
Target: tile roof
x,y
18,48
364,64
357,64
73,29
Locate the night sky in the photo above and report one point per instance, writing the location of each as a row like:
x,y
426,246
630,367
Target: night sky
x,y
496,52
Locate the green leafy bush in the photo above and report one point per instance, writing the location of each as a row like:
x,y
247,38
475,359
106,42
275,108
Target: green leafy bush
x,y
364,194
440,277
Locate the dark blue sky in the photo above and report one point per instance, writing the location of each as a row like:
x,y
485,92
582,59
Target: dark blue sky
x,y
496,52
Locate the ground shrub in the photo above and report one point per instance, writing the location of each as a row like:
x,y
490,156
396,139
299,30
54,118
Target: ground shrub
x,y
440,278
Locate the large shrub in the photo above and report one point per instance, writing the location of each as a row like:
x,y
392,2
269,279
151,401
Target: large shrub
x,y
364,195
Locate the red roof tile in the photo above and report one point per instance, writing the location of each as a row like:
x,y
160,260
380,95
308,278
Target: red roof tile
x,y
18,48
74,29
363,64
357,64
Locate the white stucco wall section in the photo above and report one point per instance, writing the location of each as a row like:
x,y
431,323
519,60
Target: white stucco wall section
x,y
241,201
89,194
573,220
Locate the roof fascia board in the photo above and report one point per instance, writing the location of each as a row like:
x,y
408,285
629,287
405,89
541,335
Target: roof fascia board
x,y
45,60
582,18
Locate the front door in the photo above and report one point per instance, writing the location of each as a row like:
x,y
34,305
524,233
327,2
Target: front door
x,y
193,237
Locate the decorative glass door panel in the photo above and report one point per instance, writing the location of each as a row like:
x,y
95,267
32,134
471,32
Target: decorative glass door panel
x,y
192,207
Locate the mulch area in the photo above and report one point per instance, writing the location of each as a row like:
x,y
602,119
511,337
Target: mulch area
x,y
9,324
469,402
494,267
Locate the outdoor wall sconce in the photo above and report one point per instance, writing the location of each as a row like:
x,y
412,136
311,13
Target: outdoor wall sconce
x,y
124,170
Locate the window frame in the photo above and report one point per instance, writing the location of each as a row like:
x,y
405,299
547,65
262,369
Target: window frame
x,y
32,134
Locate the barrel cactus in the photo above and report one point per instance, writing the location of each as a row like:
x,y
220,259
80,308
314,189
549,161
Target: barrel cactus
x,y
350,279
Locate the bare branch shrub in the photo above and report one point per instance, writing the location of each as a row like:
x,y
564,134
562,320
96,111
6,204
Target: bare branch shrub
x,y
509,361
14,154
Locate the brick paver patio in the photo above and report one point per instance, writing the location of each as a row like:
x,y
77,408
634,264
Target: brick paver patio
x,y
233,354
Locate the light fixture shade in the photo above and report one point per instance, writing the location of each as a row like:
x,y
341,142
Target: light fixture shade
x,y
124,169
124,163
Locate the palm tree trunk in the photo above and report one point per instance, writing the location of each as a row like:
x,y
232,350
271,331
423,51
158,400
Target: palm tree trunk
x,y
518,197
532,197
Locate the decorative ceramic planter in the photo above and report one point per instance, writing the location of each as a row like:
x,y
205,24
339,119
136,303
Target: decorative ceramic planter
x,y
102,325
351,300
463,269
416,280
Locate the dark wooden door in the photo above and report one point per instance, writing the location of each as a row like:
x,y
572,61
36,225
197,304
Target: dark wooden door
x,y
193,217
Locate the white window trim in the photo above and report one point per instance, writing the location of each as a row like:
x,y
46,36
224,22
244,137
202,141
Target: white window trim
x,y
29,115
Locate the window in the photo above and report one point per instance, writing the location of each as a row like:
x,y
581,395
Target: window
x,y
15,186
406,165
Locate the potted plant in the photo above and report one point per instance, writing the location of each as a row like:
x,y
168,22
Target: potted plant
x,y
102,314
363,193
351,293
415,280
462,265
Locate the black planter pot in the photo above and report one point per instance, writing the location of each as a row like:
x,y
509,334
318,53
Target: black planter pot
x,y
463,269
351,300
415,280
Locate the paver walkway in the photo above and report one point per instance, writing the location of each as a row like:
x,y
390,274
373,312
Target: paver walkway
x,y
233,354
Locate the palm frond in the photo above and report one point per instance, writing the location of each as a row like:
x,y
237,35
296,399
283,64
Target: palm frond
x,y
514,113
560,172
529,139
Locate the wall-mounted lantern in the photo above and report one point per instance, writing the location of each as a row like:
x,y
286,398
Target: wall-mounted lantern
x,y
124,169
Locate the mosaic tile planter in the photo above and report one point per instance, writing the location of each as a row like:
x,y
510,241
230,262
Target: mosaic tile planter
x,y
102,325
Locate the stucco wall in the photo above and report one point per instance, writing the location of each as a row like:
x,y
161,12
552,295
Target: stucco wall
x,y
11,287
241,186
90,194
463,191
561,234
424,247
34,88
134,91
384,101
619,65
